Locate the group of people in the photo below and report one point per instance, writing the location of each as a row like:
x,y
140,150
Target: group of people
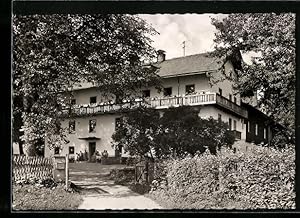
x,y
83,156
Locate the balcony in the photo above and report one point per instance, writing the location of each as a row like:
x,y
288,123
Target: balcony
x,y
231,106
157,103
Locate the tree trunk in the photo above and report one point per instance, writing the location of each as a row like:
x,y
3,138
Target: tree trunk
x,y
21,147
29,148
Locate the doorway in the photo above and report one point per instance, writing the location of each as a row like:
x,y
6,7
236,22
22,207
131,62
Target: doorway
x,y
92,149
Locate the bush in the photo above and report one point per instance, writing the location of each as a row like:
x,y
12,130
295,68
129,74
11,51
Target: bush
x,y
263,178
178,132
123,176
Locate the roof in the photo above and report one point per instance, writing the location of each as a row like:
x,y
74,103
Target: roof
x,y
192,64
256,110
181,66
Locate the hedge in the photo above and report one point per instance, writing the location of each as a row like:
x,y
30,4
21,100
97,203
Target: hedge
x,y
262,179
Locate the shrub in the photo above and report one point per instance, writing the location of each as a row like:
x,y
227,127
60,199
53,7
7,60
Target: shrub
x,y
263,178
178,132
123,176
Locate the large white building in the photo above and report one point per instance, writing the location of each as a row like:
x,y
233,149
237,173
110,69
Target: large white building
x,y
195,80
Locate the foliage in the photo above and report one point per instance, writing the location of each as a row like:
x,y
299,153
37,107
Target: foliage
x,y
51,53
272,73
123,176
137,131
44,197
182,132
263,178
178,132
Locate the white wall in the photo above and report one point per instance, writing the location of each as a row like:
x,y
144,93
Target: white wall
x,y
225,85
212,111
178,84
106,123
105,127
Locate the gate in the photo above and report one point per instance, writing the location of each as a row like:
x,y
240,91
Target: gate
x,y
144,171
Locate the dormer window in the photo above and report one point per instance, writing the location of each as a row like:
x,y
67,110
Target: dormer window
x,y
230,97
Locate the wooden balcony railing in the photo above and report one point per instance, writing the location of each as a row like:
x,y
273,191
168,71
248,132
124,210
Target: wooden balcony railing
x,y
158,103
226,103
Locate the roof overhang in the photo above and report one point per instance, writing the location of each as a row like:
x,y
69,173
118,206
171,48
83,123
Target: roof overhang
x,y
188,74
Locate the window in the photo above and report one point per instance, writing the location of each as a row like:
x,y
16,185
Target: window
x,y
256,129
146,93
168,91
93,100
71,150
230,97
234,100
219,117
73,101
265,133
56,150
234,124
189,89
230,123
92,125
220,91
72,126
118,122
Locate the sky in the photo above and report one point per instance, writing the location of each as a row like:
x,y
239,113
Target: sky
x,y
195,29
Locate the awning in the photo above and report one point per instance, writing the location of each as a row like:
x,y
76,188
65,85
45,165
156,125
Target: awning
x,y
90,138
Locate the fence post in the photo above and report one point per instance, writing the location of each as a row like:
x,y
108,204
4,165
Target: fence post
x,y
146,170
67,171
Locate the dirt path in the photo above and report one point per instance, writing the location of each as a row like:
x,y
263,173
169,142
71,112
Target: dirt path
x,y
100,193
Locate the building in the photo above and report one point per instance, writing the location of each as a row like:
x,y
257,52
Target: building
x,y
199,80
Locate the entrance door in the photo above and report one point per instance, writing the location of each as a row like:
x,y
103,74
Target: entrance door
x,y
92,149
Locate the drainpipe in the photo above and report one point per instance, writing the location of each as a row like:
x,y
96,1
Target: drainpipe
x,y
178,90
178,85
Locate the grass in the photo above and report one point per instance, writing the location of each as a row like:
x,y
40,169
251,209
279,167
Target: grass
x,y
31,197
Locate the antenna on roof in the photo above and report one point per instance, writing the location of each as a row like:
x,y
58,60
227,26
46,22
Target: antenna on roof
x,y
183,46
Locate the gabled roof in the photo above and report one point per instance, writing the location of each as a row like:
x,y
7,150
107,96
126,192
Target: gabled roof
x,y
192,64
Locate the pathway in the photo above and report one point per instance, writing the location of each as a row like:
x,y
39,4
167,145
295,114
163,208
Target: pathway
x,y
100,192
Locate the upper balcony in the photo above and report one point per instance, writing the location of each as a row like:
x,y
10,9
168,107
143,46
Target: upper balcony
x,y
158,103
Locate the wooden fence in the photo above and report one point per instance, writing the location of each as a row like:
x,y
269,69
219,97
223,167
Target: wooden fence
x,y
31,168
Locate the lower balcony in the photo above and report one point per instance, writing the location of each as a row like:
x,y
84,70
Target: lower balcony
x,y
158,103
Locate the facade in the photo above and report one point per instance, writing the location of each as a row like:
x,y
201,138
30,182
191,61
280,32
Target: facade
x,y
196,80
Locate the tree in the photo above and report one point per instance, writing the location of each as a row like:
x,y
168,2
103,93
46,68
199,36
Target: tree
x,y
51,53
137,132
184,132
180,131
272,73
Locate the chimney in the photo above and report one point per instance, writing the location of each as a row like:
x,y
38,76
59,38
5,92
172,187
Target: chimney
x,y
161,56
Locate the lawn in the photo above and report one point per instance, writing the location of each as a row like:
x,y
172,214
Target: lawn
x,y
32,197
